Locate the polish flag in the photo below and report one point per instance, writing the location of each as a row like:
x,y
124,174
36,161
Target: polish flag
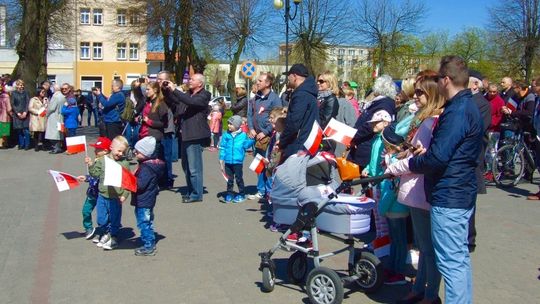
x,y
76,144
314,139
63,180
339,132
42,112
512,104
257,165
118,176
60,127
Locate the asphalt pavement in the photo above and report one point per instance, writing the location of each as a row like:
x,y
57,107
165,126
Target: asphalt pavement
x,y
208,251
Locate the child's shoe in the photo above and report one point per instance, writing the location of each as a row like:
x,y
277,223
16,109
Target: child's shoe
x,y
89,233
111,244
256,196
239,198
104,239
143,251
96,238
228,198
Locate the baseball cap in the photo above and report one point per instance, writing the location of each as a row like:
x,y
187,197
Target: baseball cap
x,y
298,69
102,143
381,115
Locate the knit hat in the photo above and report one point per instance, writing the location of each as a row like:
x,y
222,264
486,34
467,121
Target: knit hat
x,y
102,143
236,121
381,115
146,146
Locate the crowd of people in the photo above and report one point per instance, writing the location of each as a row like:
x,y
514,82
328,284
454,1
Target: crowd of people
x,y
431,134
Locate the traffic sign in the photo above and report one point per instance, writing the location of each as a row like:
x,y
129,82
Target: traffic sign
x,y
248,69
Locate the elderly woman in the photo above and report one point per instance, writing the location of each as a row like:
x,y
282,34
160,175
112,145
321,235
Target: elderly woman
x,y
384,91
19,105
37,109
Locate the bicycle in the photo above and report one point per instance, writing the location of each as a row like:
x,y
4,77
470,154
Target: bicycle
x,y
514,159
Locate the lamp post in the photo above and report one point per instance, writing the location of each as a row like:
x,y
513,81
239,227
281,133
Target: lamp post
x,y
278,4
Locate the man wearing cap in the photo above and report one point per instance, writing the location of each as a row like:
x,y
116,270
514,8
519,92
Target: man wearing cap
x,y
260,127
302,112
192,108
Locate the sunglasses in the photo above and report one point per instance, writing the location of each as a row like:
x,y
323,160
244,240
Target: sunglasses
x,y
419,92
320,81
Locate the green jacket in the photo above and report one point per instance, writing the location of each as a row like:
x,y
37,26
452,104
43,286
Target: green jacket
x,y
97,170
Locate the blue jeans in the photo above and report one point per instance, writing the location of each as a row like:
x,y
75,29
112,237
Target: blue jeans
x,y
167,145
428,277
71,132
109,215
449,230
145,223
397,228
191,154
24,138
263,186
89,118
132,133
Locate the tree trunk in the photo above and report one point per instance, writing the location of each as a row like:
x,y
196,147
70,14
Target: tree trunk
x,y
232,68
32,45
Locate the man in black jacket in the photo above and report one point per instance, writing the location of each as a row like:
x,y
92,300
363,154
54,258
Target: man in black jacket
x,y
302,112
192,107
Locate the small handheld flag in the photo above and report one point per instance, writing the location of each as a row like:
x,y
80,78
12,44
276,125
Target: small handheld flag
x,y
76,144
257,165
63,180
339,132
118,176
314,139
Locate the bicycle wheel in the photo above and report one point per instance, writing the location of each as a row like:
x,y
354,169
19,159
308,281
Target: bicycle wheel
x,y
508,166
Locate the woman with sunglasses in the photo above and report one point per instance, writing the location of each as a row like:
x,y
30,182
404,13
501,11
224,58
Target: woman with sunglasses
x,y
328,103
411,189
19,104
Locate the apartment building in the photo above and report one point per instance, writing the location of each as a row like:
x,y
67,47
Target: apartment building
x,y
109,40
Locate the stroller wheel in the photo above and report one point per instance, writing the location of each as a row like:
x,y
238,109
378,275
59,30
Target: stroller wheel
x,y
324,286
297,267
268,280
369,269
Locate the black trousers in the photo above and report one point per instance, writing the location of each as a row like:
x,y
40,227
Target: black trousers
x,y
113,129
235,171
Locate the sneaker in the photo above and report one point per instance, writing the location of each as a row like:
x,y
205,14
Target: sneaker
x,y
104,239
239,198
396,279
274,227
96,238
90,233
143,251
293,237
228,198
111,244
256,196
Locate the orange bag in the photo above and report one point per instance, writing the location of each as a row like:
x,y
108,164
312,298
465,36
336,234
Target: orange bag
x,y
347,169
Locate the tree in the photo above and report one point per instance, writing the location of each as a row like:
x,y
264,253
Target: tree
x,y
319,24
518,21
469,45
32,45
382,23
232,30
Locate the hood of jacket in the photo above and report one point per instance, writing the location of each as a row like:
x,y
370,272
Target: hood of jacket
x,y
308,87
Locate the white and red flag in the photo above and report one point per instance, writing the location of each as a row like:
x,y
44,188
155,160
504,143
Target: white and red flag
x,y
257,165
512,104
76,144
63,180
42,112
314,139
339,132
118,176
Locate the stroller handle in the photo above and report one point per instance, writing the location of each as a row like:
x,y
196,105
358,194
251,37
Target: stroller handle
x,y
367,180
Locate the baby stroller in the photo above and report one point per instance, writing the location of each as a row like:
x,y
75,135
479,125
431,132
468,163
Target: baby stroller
x,y
321,210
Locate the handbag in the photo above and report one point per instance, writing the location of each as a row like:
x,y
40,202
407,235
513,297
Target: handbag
x,y
347,169
262,144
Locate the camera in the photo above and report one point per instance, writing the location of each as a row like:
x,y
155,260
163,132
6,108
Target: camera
x,y
165,83
142,80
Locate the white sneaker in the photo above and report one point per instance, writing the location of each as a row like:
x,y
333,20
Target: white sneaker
x,y
412,258
104,239
256,196
110,244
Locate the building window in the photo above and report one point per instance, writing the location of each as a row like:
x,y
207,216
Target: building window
x,y
352,52
121,51
88,82
85,50
85,16
341,52
121,17
134,18
133,51
361,52
98,50
98,16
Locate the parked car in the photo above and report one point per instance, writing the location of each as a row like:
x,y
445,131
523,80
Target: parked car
x,y
216,99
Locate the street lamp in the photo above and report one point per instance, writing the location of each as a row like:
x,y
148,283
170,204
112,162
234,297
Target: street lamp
x,y
278,4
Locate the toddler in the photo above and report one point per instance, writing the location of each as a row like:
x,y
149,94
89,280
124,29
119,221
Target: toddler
x,y
215,127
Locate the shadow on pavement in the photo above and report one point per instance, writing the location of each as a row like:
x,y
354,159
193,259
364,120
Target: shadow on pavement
x,y
72,235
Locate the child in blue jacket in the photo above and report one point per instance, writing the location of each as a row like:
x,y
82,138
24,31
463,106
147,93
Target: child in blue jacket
x,y
70,111
232,150
150,170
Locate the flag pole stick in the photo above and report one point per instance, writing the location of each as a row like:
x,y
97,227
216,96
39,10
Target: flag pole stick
x,y
86,155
